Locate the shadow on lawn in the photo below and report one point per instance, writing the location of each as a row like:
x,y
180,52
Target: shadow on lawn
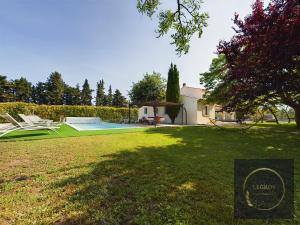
x,y
24,135
186,183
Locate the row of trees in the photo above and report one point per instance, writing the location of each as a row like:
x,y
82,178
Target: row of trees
x,y
56,92
260,65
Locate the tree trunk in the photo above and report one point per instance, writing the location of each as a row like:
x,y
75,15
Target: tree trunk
x,y
287,115
274,114
297,116
261,116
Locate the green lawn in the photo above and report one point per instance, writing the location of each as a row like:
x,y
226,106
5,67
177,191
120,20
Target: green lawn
x,y
63,131
157,176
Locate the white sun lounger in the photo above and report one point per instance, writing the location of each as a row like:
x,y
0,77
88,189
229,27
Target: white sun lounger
x,y
15,125
35,120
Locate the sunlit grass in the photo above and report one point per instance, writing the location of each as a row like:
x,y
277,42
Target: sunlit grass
x,y
178,175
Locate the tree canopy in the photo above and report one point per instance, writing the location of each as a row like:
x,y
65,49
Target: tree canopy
x,y
100,93
118,99
22,90
55,89
262,59
151,88
72,95
185,20
6,94
86,93
56,92
109,97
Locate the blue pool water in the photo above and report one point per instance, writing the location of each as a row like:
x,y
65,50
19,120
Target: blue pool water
x,y
94,123
100,126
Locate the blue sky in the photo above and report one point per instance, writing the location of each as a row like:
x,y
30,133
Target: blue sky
x,y
106,39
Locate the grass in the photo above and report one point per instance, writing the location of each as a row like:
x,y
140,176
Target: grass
x,y
63,131
180,175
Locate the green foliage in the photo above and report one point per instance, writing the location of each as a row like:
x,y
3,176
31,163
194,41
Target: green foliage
x,y
100,93
109,97
118,99
54,112
86,93
39,93
22,90
55,89
217,71
213,81
6,94
173,92
185,20
72,95
151,88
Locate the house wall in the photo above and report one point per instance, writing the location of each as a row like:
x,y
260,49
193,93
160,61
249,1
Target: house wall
x,y
161,113
189,97
190,104
202,117
195,112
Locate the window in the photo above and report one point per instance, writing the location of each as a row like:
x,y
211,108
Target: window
x,y
145,110
205,111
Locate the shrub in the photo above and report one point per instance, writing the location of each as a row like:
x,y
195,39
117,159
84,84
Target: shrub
x,y
54,112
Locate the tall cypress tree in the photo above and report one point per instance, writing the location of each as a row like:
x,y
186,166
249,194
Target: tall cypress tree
x,y
55,89
86,93
100,94
109,97
173,92
77,95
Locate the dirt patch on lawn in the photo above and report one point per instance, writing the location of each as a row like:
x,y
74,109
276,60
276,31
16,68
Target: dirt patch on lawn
x,y
14,163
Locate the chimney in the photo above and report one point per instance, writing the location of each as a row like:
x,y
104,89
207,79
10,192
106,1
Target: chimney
x,y
184,84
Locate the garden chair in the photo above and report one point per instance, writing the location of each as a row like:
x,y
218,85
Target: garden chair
x,y
36,120
23,126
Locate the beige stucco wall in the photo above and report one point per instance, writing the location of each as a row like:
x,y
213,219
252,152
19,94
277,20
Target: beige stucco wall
x,y
190,105
193,108
189,96
161,113
201,117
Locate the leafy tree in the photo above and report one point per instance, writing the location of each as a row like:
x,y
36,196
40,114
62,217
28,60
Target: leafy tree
x,y
6,94
216,73
118,99
55,89
86,94
77,95
262,59
151,88
39,93
22,90
173,92
286,112
72,95
100,93
185,20
108,99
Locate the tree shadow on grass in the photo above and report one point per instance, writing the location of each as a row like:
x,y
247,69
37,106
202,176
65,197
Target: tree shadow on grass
x,y
190,182
19,136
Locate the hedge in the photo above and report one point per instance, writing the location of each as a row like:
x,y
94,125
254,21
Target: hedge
x,y
54,112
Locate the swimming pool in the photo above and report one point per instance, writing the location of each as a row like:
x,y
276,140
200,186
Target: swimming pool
x,y
94,123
